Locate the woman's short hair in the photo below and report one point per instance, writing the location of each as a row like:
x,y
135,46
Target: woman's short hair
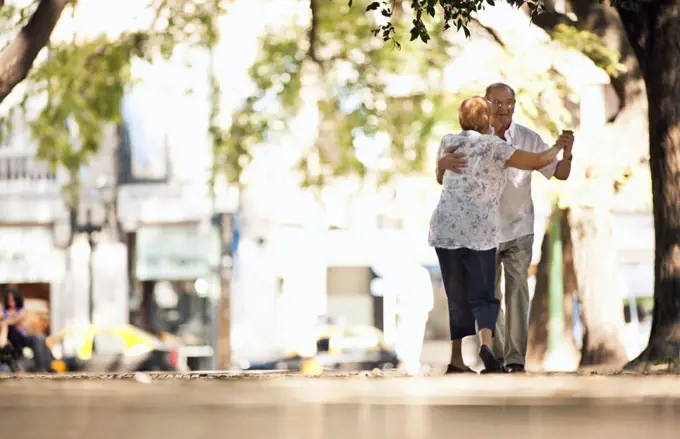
x,y
475,114
18,299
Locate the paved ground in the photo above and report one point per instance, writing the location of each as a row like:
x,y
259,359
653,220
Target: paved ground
x,y
354,407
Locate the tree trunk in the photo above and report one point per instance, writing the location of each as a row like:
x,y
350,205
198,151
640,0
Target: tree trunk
x,y
600,297
590,221
539,317
223,360
17,59
654,33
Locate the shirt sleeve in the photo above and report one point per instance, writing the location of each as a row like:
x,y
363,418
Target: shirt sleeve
x,y
549,170
445,143
502,151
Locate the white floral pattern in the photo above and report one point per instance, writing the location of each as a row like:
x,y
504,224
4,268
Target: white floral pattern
x,y
468,209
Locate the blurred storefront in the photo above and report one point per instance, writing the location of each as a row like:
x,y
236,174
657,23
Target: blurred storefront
x,y
177,270
29,262
176,252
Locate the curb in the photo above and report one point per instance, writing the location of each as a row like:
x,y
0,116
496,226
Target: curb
x,y
198,375
278,374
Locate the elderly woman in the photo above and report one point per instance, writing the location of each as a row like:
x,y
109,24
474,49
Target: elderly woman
x,y
464,231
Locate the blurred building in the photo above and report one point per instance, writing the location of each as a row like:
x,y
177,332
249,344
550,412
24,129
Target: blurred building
x,y
31,212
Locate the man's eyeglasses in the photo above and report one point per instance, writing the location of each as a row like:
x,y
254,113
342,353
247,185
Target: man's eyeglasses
x,y
499,104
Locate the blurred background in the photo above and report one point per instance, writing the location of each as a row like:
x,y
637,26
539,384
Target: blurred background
x,y
240,184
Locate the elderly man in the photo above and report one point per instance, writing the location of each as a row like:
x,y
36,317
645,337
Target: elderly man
x,y
517,224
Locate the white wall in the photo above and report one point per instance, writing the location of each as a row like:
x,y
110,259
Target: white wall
x,y
70,297
111,289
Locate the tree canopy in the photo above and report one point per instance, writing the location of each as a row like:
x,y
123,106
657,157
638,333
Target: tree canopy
x,y
75,87
356,79
383,107
445,14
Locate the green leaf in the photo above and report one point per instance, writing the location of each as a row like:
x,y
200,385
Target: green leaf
x,y
424,35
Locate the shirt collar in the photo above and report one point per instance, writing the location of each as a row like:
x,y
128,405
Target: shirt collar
x,y
470,133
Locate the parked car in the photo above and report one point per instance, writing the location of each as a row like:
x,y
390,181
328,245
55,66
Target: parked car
x,y
122,348
341,348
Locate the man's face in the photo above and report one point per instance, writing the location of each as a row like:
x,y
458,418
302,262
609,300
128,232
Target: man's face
x,y
502,106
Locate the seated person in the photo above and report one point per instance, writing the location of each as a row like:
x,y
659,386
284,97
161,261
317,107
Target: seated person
x,y
13,334
12,321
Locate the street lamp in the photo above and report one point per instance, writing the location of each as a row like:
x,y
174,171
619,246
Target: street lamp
x,y
106,196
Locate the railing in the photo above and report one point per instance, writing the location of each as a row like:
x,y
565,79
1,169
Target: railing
x,y
24,167
21,174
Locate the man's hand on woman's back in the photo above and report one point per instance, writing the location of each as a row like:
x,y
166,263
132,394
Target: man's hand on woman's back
x,y
452,161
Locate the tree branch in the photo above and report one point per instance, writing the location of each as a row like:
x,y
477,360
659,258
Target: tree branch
x,y
17,60
313,30
490,31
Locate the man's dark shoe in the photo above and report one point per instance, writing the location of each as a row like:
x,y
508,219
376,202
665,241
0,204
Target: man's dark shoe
x,y
451,369
491,365
515,368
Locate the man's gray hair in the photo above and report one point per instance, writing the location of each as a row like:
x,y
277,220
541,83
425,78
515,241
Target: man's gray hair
x,y
495,86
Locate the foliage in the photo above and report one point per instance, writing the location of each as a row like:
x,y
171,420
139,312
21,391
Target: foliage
x,y
354,78
540,97
592,46
454,13
382,108
81,82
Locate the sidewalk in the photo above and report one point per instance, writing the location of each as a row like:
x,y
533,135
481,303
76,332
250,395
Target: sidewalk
x,y
356,406
361,388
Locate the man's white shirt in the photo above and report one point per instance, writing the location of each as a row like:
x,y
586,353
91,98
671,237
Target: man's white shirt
x,y
516,205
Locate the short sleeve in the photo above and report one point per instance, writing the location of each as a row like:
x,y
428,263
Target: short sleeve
x,y
539,146
447,142
502,151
